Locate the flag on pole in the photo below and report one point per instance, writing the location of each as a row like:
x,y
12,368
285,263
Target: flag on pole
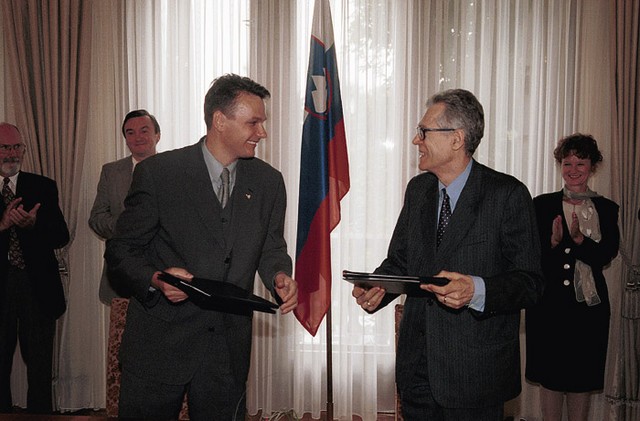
x,y
324,173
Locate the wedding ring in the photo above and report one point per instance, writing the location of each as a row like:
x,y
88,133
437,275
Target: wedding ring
x,y
445,299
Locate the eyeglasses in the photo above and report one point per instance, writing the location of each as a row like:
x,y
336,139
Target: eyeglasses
x,y
422,131
8,148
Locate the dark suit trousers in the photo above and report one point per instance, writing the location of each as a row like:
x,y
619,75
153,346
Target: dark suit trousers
x,y
418,403
213,394
22,320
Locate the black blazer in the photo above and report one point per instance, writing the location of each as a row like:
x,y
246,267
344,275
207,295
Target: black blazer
x,y
473,358
38,244
173,218
596,254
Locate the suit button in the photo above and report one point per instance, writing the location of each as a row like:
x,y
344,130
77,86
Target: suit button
x,y
430,301
567,266
567,250
211,329
566,282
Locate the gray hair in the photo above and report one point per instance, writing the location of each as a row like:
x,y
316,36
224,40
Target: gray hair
x,y
462,111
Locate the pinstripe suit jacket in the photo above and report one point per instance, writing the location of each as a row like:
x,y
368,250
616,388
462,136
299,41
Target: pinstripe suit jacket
x,y
115,179
172,218
473,358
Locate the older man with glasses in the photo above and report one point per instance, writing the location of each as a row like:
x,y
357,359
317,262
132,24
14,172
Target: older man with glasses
x,y
31,293
458,351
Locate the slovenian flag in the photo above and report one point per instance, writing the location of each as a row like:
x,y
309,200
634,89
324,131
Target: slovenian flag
x,y
324,173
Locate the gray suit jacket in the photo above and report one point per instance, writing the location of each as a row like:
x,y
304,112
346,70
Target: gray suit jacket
x,y
115,179
473,358
172,217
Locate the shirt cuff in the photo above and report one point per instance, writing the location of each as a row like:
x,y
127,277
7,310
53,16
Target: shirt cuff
x,y
479,294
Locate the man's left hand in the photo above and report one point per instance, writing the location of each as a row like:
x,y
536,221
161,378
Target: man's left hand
x,y
24,219
457,293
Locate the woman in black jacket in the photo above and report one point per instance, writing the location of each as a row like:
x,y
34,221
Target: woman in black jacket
x,y
567,332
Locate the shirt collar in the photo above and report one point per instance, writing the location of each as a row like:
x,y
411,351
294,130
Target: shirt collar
x,y
215,167
454,189
14,181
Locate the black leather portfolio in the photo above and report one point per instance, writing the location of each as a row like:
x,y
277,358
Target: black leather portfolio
x,y
222,296
396,284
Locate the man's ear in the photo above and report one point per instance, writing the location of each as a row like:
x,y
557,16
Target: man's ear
x,y
219,120
458,139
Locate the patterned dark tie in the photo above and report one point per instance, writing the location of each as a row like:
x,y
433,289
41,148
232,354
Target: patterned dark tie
x,y
224,192
445,215
15,251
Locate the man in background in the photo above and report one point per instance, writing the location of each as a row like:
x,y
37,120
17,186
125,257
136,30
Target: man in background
x,y
31,292
214,211
458,349
141,132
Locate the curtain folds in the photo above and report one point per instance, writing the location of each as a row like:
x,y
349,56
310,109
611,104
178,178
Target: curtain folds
x,y
48,46
624,393
537,67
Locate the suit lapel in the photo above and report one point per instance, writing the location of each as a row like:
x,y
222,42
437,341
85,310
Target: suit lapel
x,y
464,215
242,199
198,186
429,214
123,179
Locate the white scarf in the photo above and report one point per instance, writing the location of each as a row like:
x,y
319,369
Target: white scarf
x,y
583,281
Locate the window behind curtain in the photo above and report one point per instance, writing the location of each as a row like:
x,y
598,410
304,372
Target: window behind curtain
x,y
524,60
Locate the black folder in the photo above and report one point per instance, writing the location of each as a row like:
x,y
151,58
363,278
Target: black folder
x,y
396,284
223,296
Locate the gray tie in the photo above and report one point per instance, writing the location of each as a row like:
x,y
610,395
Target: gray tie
x,y
224,192
445,215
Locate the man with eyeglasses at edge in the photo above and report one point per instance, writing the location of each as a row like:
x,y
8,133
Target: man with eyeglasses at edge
x,y
31,292
458,352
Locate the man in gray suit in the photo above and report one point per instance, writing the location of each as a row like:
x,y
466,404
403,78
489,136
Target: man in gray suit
x,y
458,348
141,132
214,211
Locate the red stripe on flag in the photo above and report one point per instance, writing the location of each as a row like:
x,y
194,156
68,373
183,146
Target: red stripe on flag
x,y
314,266
314,262
338,172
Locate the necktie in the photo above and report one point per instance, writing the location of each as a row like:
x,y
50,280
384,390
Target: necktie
x,y
445,215
224,191
15,252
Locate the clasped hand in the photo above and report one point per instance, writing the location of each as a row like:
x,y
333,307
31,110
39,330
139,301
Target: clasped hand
x,y
574,230
15,214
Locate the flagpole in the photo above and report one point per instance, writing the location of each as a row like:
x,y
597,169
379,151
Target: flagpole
x,y
329,367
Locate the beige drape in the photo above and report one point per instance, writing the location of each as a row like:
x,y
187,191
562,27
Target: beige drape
x,y
624,395
162,54
48,50
48,44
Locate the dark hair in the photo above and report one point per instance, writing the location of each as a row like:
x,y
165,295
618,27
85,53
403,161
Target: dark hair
x,y
140,113
225,90
583,146
462,111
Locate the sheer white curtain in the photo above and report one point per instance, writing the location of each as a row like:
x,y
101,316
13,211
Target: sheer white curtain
x,y
534,65
537,67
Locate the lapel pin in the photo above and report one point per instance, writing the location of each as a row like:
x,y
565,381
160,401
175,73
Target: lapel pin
x,y
248,195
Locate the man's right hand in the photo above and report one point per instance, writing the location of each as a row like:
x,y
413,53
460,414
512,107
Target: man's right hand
x,y
368,299
173,294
